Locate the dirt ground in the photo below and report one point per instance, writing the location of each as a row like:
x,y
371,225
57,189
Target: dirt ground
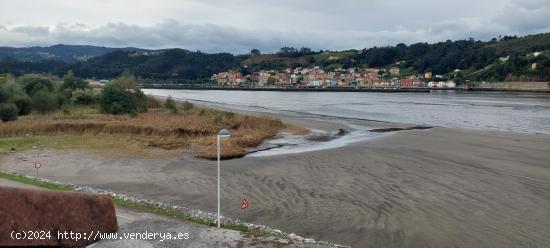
x,y
421,188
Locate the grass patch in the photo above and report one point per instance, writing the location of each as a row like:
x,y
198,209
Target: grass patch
x,y
35,182
191,128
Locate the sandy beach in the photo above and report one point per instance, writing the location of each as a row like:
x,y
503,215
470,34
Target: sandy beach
x,y
439,187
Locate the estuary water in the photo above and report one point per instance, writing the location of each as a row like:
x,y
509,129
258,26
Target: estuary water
x,y
502,111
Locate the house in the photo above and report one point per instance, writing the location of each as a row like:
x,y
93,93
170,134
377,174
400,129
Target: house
x,y
263,76
234,78
282,79
394,71
450,84
406,83
428,74
94,83
342,83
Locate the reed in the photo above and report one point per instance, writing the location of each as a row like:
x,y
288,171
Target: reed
x,y
193,128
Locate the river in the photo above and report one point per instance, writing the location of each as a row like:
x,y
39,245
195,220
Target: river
x,y
502,111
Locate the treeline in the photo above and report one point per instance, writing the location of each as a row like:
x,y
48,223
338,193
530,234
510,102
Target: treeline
x,y
174,64
472,55
46,94
505,58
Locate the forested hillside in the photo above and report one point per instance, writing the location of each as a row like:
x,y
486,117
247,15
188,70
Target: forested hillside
x,y
507,58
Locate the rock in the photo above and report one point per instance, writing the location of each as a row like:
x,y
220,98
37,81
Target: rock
x,y
45,214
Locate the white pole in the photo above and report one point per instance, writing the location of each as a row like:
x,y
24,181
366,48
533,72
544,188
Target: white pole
x,y
218,181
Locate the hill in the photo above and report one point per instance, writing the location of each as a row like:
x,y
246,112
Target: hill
x,y
66,53
507,58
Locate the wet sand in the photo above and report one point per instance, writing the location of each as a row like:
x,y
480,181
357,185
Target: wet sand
x,y
420,188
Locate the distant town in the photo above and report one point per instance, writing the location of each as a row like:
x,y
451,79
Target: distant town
x,y
315,77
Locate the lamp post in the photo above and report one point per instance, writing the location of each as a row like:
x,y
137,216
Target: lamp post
x,y
224,133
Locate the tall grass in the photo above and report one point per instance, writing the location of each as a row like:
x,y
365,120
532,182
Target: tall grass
x,y
196,127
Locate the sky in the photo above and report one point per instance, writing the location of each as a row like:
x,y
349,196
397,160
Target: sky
x,y
237,26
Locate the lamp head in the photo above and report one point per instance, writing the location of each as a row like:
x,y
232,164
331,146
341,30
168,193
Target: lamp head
x,y
224,133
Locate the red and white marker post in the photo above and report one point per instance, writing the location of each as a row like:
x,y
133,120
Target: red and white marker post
x,y
244,206
37,165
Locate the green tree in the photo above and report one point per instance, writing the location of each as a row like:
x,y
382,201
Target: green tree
x,y
84,97
70,81
115,99
24,104
44,102
126,80
271,81
8,112
171,105
255,52
121,96
32,84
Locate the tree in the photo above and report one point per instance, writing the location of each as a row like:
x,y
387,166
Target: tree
x,y
121,96
70,81
271,81
115,99
44,102
32,84
84,97
24,104
8,112
171,105
255,52
126,80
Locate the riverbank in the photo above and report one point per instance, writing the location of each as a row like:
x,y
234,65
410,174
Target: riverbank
x,y
191,129
438,187
540,87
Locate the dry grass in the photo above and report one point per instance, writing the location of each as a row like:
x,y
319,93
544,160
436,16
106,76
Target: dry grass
x,y
194,129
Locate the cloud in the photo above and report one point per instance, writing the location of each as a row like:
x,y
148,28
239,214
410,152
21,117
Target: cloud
x,y
238,26
32,31
526,16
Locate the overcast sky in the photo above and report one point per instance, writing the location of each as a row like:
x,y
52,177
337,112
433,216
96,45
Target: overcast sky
x,y
239,25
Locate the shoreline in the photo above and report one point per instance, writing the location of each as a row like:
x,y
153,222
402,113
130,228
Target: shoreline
x,y
340,89
436,187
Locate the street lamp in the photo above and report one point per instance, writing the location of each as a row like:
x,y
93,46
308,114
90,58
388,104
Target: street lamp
x,y
224,133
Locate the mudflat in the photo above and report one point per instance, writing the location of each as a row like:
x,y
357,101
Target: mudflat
x,y
439,187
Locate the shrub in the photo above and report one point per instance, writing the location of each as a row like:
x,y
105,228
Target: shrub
x,y
187,106
115,99
140,100
8,112
70,81
33,84
24,104
84,97
170,104
45,102
153,102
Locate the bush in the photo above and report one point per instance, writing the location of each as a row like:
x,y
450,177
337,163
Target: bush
x,y
153,102
45,102
84,97
187,106
140,100
33,84
71,82
8,112
115,99
24,104
171,105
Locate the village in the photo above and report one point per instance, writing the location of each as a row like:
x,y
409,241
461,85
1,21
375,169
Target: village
x,y
316,77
